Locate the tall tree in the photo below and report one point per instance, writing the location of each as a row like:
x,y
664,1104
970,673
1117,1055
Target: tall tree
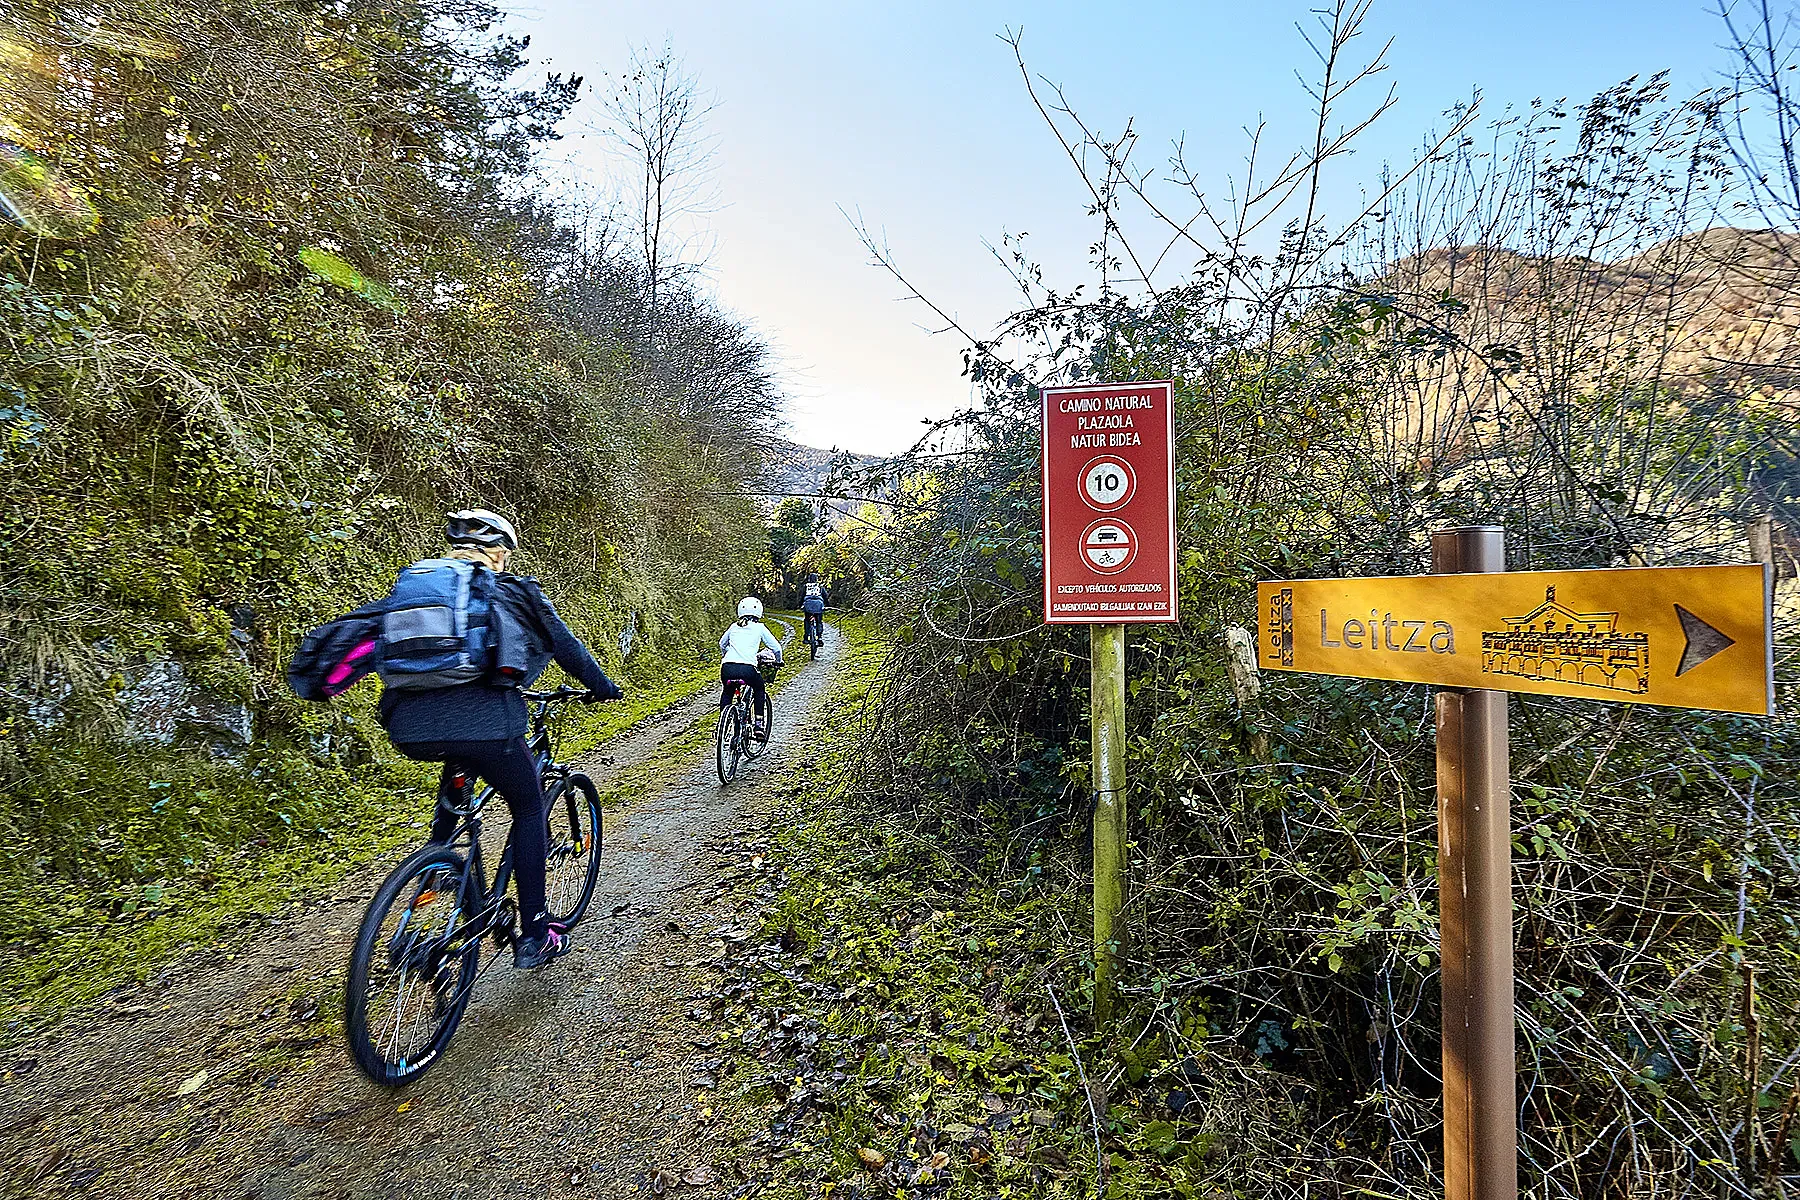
x,y
658,122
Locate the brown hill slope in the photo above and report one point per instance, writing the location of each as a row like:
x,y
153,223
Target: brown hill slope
x,y
1712,316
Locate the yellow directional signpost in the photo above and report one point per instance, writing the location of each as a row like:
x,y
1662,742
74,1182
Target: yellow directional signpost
x,y
1686,637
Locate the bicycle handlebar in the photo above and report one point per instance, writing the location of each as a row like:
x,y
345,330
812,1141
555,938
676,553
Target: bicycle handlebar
x,y
562,693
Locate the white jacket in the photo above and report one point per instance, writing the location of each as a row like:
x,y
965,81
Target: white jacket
x,y
741,642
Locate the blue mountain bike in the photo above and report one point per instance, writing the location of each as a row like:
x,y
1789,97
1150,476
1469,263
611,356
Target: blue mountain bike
x,y
418,953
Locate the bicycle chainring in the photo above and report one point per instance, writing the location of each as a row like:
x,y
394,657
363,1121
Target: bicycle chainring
x,y
506,924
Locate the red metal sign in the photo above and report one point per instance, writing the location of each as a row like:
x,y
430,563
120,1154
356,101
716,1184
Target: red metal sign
x,y
1109,504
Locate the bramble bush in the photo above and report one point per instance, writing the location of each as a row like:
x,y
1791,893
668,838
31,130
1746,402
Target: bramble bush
x,y
1543,348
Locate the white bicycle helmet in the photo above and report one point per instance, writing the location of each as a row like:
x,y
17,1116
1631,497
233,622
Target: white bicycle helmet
x,y
750,607
480,527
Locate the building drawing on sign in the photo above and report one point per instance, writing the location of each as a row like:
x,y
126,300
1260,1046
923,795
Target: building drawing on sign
x,y
1553,641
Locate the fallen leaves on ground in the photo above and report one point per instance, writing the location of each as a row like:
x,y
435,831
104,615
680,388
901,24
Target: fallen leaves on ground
x,y
48,1164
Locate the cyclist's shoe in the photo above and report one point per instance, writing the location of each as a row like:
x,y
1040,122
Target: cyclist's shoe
x,y
762,730
530,953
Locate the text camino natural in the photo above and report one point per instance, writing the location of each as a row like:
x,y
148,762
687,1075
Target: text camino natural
x,y
1110,413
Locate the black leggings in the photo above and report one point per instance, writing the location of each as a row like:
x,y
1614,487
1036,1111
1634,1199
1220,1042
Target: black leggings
x,y
751,676
508,765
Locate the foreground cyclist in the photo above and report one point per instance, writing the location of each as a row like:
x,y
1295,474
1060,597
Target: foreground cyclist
x,y
740,645
480,725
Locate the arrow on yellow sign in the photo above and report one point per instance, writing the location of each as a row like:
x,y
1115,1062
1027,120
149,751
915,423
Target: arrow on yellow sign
x,y
1703,641
1633,635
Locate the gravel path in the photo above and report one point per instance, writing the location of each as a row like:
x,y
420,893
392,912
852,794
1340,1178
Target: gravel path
x,y
576,1080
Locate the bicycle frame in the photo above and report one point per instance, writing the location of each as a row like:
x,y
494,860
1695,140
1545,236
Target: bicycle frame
x,y
419,950
467,831
743,698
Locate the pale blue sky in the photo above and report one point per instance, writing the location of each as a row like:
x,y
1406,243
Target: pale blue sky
x,y
916,117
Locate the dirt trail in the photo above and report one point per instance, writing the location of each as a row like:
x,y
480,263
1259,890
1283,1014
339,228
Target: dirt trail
x,y
575,1080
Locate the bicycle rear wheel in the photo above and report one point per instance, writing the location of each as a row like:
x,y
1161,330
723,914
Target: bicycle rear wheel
x,y
412,969
755,747
727,743
574,846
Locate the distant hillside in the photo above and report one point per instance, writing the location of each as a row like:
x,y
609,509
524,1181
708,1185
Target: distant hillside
x,y
796,470
1695,337
1714,310
1704,318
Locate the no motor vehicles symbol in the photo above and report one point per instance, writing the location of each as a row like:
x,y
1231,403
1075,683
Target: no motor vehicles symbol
x,y
1109,546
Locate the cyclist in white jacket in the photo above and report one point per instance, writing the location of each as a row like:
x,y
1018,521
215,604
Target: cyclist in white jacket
x,y
741,645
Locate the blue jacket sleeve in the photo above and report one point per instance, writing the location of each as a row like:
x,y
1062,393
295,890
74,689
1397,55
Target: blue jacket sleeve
x,y
566,648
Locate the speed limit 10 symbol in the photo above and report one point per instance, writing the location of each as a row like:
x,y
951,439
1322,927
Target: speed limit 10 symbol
x,y
1107,483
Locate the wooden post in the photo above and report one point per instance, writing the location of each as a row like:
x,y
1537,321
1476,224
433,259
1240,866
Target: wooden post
x,y
1762,548
1752,1078
1762,540
1107,654
1481,1159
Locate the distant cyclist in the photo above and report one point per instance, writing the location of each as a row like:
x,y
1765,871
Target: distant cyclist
x,y
479,725
812,603
741,645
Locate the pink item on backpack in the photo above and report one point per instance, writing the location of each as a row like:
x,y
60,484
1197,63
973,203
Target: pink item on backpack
x,y
346,673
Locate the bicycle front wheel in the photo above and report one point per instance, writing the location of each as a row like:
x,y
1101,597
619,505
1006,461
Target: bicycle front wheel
x,y
727,744
412,969
572,860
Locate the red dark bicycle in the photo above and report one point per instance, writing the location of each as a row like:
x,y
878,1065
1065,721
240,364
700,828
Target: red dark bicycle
x,y
737,739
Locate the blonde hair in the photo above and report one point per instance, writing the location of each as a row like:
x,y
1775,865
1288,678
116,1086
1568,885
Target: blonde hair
x,y
491,557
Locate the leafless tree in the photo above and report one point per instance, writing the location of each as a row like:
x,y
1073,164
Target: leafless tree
x,y
658,116
1763,127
